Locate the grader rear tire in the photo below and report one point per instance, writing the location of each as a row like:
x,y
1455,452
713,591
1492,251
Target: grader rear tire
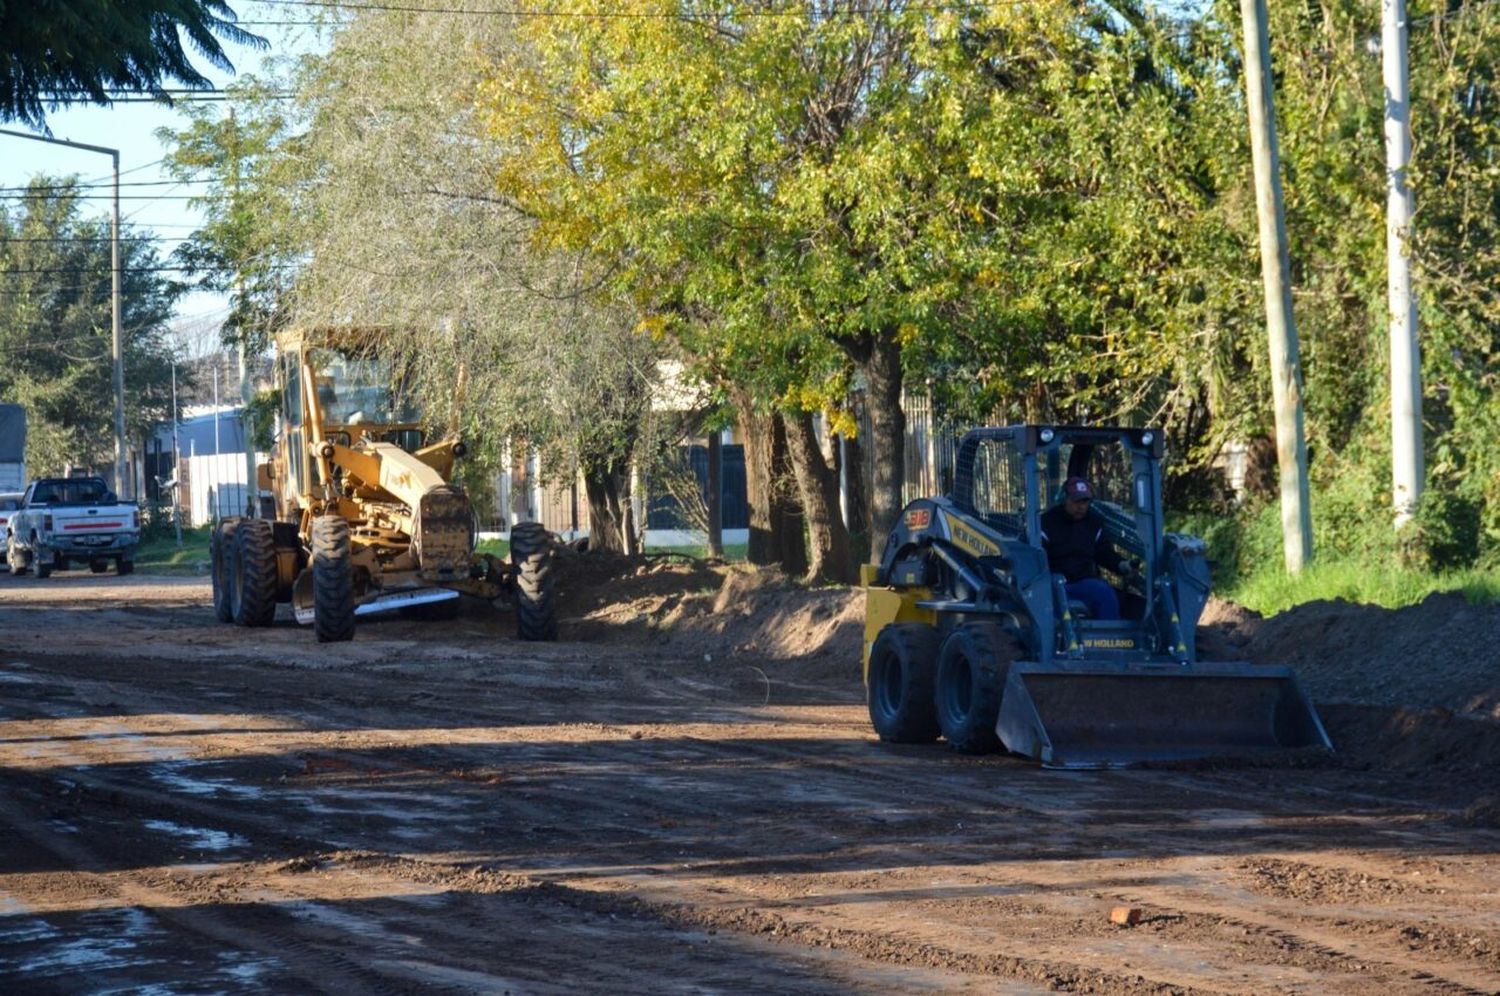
x,y
254,593
333,580
536,598
903,663
219,542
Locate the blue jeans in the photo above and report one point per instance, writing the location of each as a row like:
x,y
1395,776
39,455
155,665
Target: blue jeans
x,y
1095,593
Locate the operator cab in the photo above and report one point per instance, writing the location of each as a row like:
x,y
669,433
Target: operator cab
x,y
1009,477
359,395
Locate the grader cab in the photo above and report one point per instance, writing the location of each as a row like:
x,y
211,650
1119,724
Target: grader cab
x,y
363,517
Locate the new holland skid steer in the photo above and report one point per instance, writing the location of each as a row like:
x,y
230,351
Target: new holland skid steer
x,y
971,637
363,518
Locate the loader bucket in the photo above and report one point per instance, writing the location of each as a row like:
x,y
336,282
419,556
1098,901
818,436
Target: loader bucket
x,y
1075,715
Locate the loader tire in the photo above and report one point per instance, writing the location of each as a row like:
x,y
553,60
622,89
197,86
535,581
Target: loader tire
x,y
903,665
333,580
971,672
536,596
253,594
219,542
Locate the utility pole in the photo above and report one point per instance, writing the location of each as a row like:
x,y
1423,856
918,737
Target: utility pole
x,y
1406,362
1275,267
117,339
176,462
247,428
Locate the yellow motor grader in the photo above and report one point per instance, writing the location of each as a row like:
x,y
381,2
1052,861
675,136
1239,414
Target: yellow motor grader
x,y
363,518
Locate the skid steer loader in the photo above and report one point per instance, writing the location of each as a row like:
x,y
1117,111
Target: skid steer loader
x,y
362,517
971,637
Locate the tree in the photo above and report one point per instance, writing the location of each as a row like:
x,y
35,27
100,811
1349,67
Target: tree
x,y
55,333
59,52
242,247
371,199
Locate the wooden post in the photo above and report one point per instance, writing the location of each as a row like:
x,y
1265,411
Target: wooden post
x,y
1275,266
715,494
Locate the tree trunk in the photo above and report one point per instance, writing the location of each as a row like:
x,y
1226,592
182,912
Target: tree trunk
x,y
879,357
607,486
819,487
775,516
857,512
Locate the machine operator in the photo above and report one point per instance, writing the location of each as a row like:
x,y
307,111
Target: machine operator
x,y
1074,538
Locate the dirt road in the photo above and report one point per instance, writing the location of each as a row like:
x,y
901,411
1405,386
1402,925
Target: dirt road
x,y
191,808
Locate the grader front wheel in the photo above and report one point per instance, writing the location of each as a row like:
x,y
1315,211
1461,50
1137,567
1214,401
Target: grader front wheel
x,y
333,581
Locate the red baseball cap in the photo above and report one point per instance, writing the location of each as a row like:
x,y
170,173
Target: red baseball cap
x,y
1077,488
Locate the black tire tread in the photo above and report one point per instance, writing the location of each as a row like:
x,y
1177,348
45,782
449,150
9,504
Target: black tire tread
x,y
988,650
218,552
333,580
536,595
256,562
913,648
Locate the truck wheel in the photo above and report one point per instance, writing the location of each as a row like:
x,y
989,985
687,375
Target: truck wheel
x,y
903,662
42,561
254,598
15,556
219,542
124,566
971,671
333,580
536,597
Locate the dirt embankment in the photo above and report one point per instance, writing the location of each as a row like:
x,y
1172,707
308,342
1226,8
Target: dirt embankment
x,y
1415,689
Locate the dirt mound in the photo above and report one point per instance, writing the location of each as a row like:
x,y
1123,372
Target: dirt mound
x,y
710,610
1413,689
1438,654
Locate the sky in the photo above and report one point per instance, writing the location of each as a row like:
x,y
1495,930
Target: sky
x,y
150,201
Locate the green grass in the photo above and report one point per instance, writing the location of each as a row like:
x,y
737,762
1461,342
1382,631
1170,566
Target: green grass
x,y
494,547
1270,590
162,556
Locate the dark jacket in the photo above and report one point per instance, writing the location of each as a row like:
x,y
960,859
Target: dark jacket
x,y
1077,548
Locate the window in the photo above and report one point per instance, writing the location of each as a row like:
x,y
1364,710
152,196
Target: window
x,y
999,485
359,390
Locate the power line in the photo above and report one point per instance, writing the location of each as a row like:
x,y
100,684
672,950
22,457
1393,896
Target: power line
x,y
126,197
346,5
107,185
104,238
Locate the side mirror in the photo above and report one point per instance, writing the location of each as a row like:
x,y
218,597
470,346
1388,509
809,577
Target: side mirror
x,y
109,498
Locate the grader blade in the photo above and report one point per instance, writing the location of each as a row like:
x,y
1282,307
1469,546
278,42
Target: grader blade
x,y
1105,715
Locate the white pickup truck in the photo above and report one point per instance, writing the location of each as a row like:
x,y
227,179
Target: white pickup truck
x,y
66,519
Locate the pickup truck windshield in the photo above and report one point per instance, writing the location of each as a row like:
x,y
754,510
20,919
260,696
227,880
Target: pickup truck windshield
x,y
69,493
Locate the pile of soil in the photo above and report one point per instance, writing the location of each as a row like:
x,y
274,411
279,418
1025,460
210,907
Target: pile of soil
x,y
713,610
1415,689
1440,654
